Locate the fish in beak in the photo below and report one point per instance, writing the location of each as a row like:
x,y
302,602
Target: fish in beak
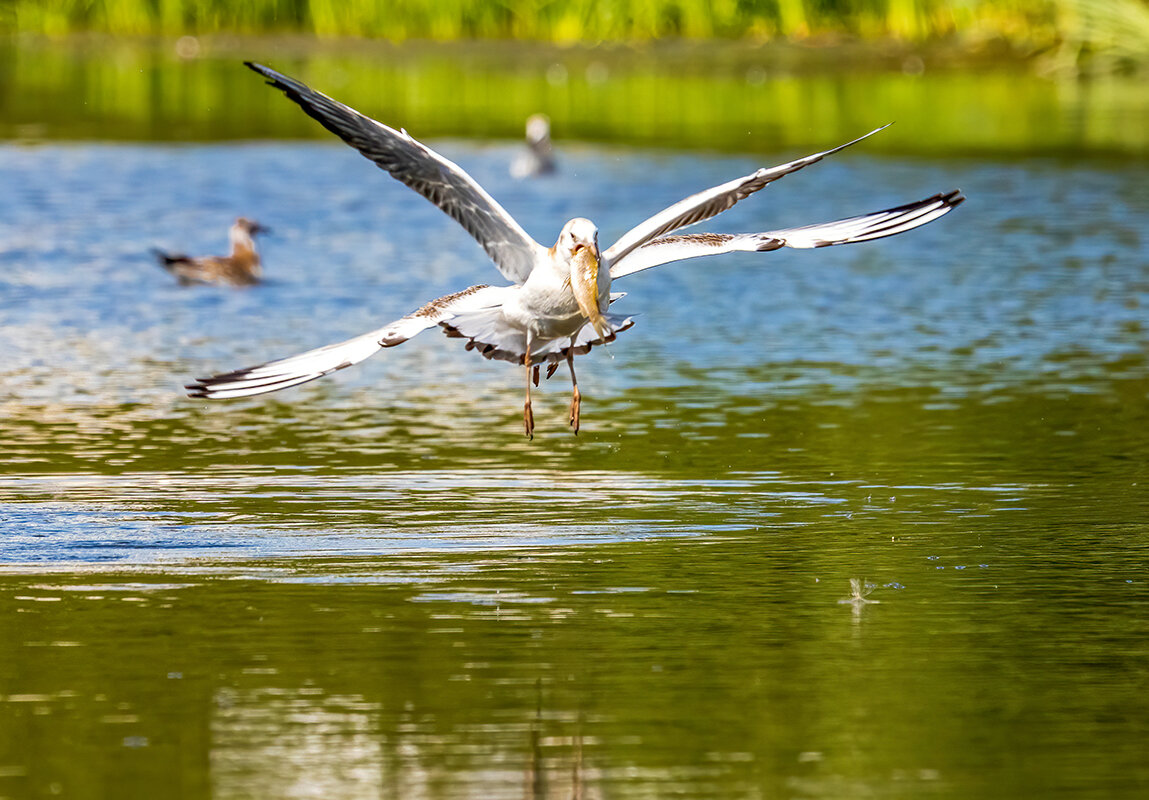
x,y
584,282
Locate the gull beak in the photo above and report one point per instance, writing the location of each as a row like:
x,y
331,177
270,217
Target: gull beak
x,y
584,284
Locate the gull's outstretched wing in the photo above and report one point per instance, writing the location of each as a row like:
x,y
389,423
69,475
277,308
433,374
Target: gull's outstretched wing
x,y
292,371
708,203
442,182
844,231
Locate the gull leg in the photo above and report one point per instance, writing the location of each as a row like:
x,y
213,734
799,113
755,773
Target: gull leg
x,y
528,415
576,398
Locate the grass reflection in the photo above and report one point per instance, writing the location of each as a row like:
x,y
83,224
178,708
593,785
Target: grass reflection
x,y
740,97
363,675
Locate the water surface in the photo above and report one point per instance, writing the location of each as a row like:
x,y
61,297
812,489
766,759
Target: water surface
x,y
375,586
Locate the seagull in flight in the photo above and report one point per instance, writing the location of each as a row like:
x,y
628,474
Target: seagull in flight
x,y
241,267
557,305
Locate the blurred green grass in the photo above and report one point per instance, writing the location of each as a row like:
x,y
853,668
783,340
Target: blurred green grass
x,y
545,20
1068,35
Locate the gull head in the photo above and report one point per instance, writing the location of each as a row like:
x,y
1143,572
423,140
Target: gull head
x,y
589,282
577,234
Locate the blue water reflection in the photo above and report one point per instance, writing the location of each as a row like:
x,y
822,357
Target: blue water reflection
x,y
908,362
1017,282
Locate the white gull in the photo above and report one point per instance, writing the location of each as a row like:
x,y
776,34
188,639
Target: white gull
x,y
557,305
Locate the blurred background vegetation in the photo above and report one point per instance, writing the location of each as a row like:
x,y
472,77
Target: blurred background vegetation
x,y
573,20
1107,34
962,78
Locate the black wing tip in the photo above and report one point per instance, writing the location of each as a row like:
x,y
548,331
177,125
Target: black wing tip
x,y
205,387
314,104
950,199
206,384
942,202
267,72
276,79
211,387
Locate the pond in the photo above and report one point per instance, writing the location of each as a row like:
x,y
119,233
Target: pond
x,y
867,520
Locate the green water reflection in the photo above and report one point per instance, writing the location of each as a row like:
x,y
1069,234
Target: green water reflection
x,y
700,669
719,97
668,625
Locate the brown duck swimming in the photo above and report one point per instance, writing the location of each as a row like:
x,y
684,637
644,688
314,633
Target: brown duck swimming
x,y
240,268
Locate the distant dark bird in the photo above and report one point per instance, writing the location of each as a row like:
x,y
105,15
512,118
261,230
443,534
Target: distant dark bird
x,y
556,306
538,156
239,268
